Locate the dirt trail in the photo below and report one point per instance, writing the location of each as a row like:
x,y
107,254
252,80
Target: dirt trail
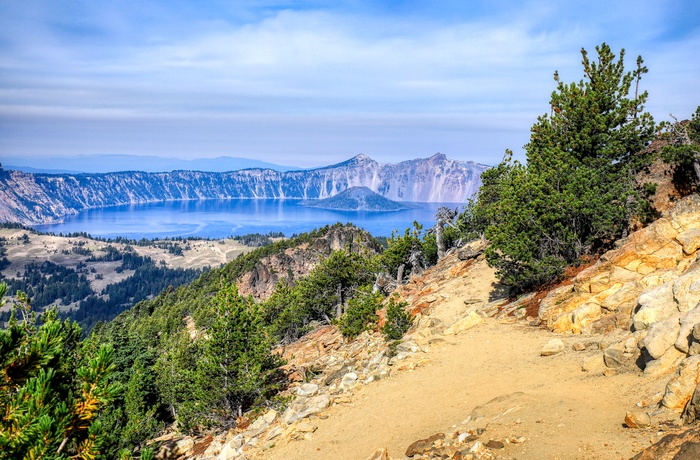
x,y
563,412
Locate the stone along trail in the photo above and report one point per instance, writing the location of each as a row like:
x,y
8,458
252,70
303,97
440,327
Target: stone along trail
x,y
493,377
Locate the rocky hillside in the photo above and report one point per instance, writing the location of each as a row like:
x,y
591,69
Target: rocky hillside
x,y
295,262
599,367
42,198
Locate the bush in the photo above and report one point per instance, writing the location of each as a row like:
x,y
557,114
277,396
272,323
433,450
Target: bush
x,y
398,320
361,313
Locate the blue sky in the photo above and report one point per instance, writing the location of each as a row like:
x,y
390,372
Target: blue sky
x,y
312,83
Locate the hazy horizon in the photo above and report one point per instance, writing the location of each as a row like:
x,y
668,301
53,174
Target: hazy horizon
x,y
315,83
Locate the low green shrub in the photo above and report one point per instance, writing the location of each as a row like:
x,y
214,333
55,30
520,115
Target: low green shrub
x,y
398,319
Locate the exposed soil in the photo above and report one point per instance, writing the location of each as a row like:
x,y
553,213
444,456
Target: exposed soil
x,y
563,412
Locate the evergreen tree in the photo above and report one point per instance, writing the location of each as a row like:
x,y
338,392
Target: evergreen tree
x,y
212,379
576,195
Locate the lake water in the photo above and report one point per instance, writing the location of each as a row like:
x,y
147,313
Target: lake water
x,y
223,218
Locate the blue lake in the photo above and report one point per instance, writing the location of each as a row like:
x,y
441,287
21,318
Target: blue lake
x,y
223,218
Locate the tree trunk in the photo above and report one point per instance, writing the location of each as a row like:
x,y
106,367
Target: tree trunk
x,y
399,274
339,307
440,240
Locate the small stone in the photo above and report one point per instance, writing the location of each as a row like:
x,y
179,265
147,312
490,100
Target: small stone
x,y
477,448
637,420
422,445
307,389
466,437
578,346
349,381
552,347
305,427
495,444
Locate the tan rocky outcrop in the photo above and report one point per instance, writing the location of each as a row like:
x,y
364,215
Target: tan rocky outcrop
x,y
653,269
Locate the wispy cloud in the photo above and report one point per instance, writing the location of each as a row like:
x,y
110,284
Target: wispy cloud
x,y
315,82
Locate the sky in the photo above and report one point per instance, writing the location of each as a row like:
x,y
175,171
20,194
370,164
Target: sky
x,y
312,83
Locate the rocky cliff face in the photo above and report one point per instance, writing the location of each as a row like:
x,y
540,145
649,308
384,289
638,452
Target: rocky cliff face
x,y
295,263
42,198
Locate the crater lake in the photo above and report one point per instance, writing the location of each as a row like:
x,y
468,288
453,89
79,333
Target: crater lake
x,y
223,218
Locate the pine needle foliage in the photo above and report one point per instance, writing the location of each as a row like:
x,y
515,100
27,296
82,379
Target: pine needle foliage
x,y
576,195
50,394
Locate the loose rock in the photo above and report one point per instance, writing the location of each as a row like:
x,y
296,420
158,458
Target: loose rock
x,y
552,347
637,420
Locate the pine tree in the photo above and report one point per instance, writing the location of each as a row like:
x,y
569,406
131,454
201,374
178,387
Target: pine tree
x,y
576,195
230,368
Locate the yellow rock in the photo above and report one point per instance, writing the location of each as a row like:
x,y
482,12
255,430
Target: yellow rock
x,y
690,239
468,322
665,364
563,324
680,388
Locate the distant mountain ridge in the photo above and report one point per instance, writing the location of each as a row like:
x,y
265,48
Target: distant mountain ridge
x,y
43,198
357,199
98,164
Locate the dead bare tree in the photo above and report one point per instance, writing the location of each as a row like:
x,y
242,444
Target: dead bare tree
x,y
679,137
444,217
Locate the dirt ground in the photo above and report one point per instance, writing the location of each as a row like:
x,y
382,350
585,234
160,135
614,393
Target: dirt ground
x,y
560,410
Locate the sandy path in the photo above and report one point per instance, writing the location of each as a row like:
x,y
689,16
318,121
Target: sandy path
x,y
564,412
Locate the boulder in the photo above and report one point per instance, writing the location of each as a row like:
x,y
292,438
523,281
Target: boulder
x,y
662,335
665,364
672,446
685,334
686,290
552,347
584,315
682,385
691,413
657,304
261,423
614,358
231,449
626,296
349,380
690,240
